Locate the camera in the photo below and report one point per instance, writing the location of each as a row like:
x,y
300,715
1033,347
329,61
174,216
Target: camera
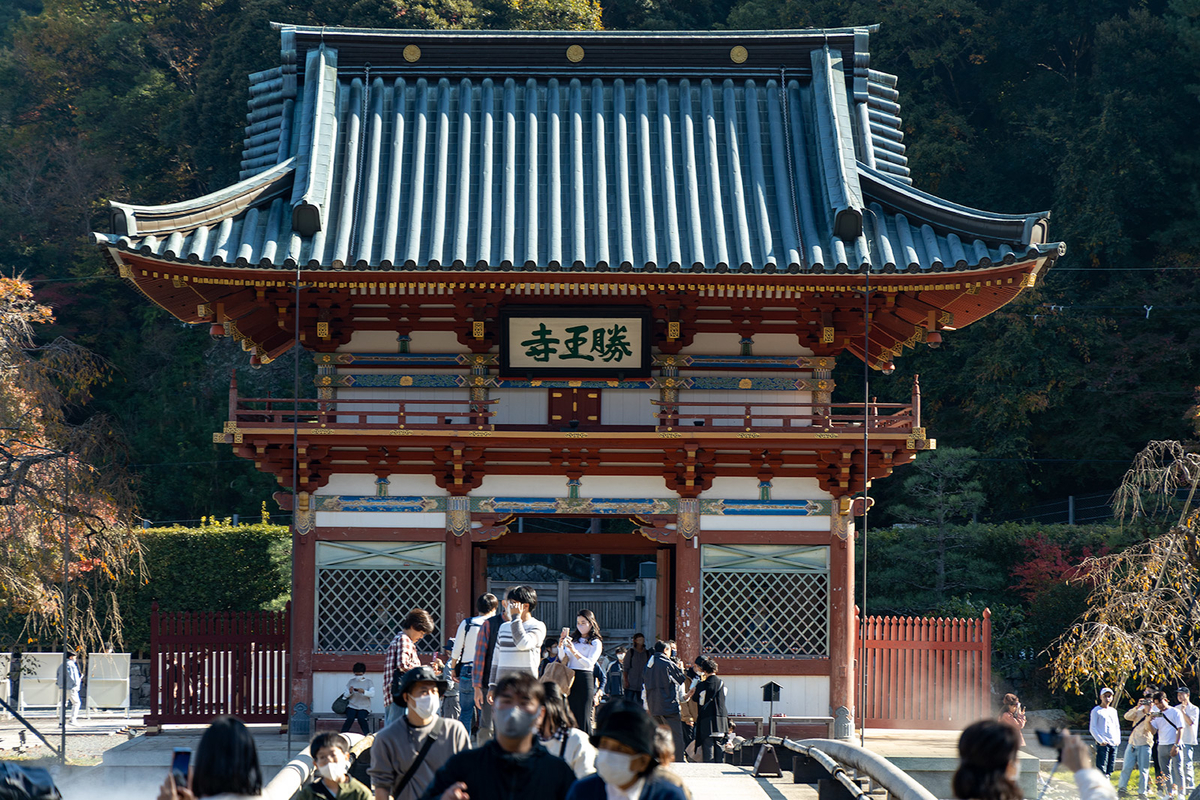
x,y
1051,739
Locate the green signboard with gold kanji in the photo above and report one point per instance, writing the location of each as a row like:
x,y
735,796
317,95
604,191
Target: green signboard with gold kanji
x,y
558,342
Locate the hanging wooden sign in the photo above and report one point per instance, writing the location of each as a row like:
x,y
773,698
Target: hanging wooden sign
x,y
564,342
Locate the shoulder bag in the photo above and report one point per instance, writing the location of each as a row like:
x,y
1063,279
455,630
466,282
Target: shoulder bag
x,y
406,778
341,704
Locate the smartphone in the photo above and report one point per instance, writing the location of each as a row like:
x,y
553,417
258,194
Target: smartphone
x,y
1051,739
179,766
566,632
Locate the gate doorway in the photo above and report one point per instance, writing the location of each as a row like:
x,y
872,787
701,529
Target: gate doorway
x,y
578,562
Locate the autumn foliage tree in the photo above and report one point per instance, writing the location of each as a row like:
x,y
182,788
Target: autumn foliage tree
x,y
58,485
1142,617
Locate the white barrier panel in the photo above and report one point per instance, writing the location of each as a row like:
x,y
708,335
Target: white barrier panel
x,y
39,683
5,683
108,681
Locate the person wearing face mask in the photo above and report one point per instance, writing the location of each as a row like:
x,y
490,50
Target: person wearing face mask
x,y
331,761
615,687
409,751
359,689
513,765
627,761
662,676
580,651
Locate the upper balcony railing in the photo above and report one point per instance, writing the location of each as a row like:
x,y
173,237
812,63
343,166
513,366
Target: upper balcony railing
x,y
453,415
786,417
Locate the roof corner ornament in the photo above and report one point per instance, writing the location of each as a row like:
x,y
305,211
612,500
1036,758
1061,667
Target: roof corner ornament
x,y
306,218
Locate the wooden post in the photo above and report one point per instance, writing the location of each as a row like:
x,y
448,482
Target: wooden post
x,y
458,600
303,620
842,686
687,599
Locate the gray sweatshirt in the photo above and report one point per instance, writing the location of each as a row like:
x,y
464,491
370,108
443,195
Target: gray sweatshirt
x,y
397,745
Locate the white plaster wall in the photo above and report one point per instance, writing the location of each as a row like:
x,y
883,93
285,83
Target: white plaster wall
x,y
794,403
328,686
763,522
781,489
522,486
363,519
414,414
401,486
801,695
610,486
521,406
385,342
628,407
729,344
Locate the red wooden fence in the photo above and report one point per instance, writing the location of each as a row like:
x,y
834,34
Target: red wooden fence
x,y
207,663
925,672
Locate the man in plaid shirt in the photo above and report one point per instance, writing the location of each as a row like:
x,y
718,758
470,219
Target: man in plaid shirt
x,y
402,655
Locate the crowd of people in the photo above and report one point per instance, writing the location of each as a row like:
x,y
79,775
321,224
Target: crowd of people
x,y
507,711
1162,735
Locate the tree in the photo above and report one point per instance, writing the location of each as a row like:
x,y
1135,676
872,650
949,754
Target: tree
x,y
942,492
1142,617
57,486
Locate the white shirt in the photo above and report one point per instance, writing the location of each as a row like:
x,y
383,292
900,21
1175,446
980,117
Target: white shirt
x,y
1168,733
617,793
1105,726
589,653
1094,785
1188,714
464,641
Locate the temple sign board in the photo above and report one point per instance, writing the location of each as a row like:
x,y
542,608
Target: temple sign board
x,y
559,343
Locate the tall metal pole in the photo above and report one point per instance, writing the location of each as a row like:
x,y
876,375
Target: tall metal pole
x,y
295,498
66,578
862,661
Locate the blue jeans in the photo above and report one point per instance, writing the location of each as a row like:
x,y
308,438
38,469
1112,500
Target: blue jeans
x,y
466,696
1173,767
1139,757
1106,756
1186,752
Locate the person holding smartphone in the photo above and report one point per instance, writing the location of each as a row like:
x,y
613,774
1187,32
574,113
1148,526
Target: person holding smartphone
x,y
519,639
225,765
580,651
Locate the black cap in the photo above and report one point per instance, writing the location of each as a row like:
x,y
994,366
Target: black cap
x,y
1183,690
630,725
419,675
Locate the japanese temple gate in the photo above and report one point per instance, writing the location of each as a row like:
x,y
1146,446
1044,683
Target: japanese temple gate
x,y
596,275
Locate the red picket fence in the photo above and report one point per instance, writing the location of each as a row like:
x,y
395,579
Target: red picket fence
x,y
926,673
207,663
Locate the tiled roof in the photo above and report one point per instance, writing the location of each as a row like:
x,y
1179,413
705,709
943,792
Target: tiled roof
x,y
576,168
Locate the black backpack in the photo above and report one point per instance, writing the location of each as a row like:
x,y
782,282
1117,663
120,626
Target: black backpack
x,y
397,674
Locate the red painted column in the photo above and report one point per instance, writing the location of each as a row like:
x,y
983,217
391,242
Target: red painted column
x,y
687,599
304,594
458,582
842,639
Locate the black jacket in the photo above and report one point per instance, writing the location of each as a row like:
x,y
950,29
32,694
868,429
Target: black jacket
x,y
662,676
712,718
490,773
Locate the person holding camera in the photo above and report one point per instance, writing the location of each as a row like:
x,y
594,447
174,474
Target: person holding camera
x,y
1013,713
1105,728
1137,749
1167,721
988,767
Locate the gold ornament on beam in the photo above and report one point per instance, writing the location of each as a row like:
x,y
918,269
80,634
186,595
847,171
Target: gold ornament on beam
x,y
738,54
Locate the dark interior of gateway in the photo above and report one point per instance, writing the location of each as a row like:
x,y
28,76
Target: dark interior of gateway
x,y
619,588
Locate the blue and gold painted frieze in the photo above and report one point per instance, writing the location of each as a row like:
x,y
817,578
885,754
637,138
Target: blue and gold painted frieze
x,y
569,505
434,381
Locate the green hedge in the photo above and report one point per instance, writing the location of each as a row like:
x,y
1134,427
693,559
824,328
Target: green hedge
x,y
214,567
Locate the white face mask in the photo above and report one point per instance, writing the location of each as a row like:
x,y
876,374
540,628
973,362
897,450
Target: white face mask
x,y
615,768
426,705
334,771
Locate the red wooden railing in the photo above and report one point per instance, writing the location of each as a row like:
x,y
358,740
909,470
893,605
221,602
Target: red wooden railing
x,y
207,663
752,416
361,413
925,672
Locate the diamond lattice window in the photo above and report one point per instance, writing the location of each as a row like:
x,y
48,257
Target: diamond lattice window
x,y
768,601
365,589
